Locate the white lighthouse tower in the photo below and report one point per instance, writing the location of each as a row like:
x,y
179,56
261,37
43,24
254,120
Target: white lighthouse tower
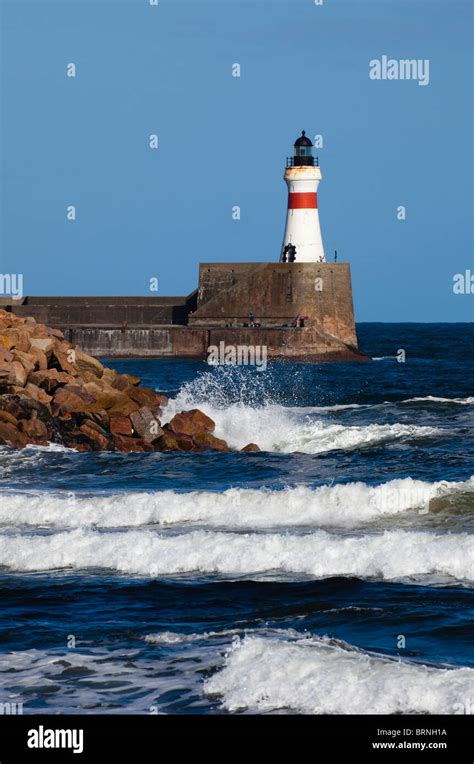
x,y
302,241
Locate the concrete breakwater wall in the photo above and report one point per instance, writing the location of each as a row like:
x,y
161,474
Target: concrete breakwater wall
x,y
189,342
276,294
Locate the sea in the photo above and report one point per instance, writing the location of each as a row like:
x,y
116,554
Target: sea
x,y
330,573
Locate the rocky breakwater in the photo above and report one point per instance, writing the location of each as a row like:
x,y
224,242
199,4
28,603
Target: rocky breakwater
x,y
52,392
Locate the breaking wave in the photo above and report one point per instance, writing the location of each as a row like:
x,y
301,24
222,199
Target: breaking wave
x,y
285,430
346,505
319,676
414,556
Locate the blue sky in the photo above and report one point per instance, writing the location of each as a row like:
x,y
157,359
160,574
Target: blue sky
x,y
167,70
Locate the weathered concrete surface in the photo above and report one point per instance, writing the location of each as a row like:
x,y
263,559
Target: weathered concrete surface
x,y
189,342
276,293
103,311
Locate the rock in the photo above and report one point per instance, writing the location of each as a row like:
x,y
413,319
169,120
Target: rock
x,y
146,425
40,357
122,443
121,383
207,441
121,425
27,360
109,375
5,416
50,379
15,338
250,448
37,393
34,428
172,441
15,372
116,402
51,390
56,333
132,379
72,398
191,422
100,418
145,396
78,440
86,362
123,407
61,359
10,436
98,440
5,356
6,342
45,344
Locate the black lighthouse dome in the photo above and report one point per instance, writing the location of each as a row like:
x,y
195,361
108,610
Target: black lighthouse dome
x,y
302,140
303,152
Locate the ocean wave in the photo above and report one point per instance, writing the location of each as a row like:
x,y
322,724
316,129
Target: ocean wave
x,y
285,430
318,676
347,505
469,401
413,556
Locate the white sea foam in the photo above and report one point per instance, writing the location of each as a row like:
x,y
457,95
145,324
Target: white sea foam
x,y
280,429
392,555
317,676
434,399
346,505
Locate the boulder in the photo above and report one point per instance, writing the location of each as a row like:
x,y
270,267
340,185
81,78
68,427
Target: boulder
x,y
5,416
172,441
50,379
72,398
78,440
34,428
6,342
27,360
109,375
99,441
250,448
191,422
145,396
146,425
40,357
123,407
61,360
45,344
208,442
86,362
5,355
121,425
37,393
11,436
123,443
132,379
121,383
14,373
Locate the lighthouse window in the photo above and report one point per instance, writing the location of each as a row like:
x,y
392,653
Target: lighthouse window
x,y
302,152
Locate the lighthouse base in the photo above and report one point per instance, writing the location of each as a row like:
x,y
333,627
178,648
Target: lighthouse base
x,y
276,294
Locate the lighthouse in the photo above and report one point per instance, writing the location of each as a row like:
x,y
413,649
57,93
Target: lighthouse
x,y
302,242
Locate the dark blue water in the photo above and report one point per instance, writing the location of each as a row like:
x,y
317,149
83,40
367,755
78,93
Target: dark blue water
x,y
334,569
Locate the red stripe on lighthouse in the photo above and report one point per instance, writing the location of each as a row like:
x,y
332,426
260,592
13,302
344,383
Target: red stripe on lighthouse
x,y
303,201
